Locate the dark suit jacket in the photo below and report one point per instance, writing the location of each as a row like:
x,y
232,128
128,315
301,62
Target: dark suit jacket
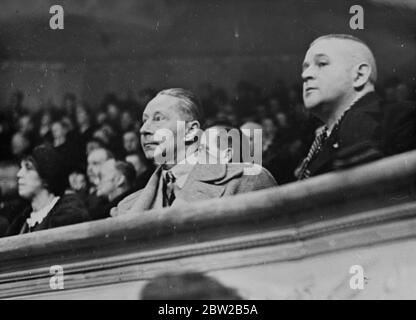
x,y
68,210
368,131
4,224
96,206
9,207
206,181
103,211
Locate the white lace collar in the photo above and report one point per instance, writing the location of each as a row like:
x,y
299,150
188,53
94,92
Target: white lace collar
x,y
38,216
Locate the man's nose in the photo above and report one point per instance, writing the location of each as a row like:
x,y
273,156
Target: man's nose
x,y
146,128
19,173
307,74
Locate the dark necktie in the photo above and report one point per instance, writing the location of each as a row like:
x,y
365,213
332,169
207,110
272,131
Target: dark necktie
x,y
303,172
169,189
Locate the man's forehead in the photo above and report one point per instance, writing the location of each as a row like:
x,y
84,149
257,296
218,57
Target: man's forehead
x,y
97,155
108,166
161,103
328,47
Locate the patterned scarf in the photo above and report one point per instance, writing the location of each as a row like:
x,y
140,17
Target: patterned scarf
x,y
322,134
302,172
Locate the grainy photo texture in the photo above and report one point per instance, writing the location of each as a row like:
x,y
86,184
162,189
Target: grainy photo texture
x,y
207,149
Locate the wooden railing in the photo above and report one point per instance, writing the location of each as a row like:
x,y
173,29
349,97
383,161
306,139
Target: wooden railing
x,y
373,204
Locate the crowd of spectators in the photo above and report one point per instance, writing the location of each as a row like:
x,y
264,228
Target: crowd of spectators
x,y
87,136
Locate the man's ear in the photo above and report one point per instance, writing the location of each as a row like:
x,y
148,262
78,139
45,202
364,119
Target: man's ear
x,y
193,131
120,180
362,74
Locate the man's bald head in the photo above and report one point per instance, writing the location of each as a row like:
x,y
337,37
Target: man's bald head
x,y
356,50
337,71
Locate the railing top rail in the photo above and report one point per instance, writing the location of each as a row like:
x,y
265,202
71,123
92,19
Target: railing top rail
x,y
279,204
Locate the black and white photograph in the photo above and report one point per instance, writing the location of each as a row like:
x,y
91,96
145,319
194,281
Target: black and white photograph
x,y
214,150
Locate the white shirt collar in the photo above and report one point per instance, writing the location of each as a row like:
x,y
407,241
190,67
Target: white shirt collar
x,y
38,216
183,168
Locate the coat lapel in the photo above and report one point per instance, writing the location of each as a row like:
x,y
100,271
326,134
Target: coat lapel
x,y
201,185
205,181
323,158
148,193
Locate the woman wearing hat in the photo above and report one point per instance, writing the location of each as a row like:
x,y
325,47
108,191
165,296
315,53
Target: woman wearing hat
x,y
42,180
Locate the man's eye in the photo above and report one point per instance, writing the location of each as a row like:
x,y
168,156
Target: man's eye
x,y
322,64
28,166
158,118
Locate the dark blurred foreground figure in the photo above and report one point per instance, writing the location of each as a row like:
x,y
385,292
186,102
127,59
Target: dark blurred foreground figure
x,y
187,286
42,182
339,75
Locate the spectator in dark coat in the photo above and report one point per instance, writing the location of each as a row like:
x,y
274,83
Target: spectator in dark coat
x,y
41,181
116,181
339,76
96,204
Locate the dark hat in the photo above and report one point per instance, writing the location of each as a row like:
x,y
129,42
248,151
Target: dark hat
x,y
50,167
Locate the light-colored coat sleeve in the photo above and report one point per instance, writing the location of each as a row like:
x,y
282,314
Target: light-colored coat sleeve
x,y
125,205
250,182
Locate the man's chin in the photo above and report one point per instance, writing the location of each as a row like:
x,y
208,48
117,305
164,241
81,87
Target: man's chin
x,y
150,155
24,194
310,104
